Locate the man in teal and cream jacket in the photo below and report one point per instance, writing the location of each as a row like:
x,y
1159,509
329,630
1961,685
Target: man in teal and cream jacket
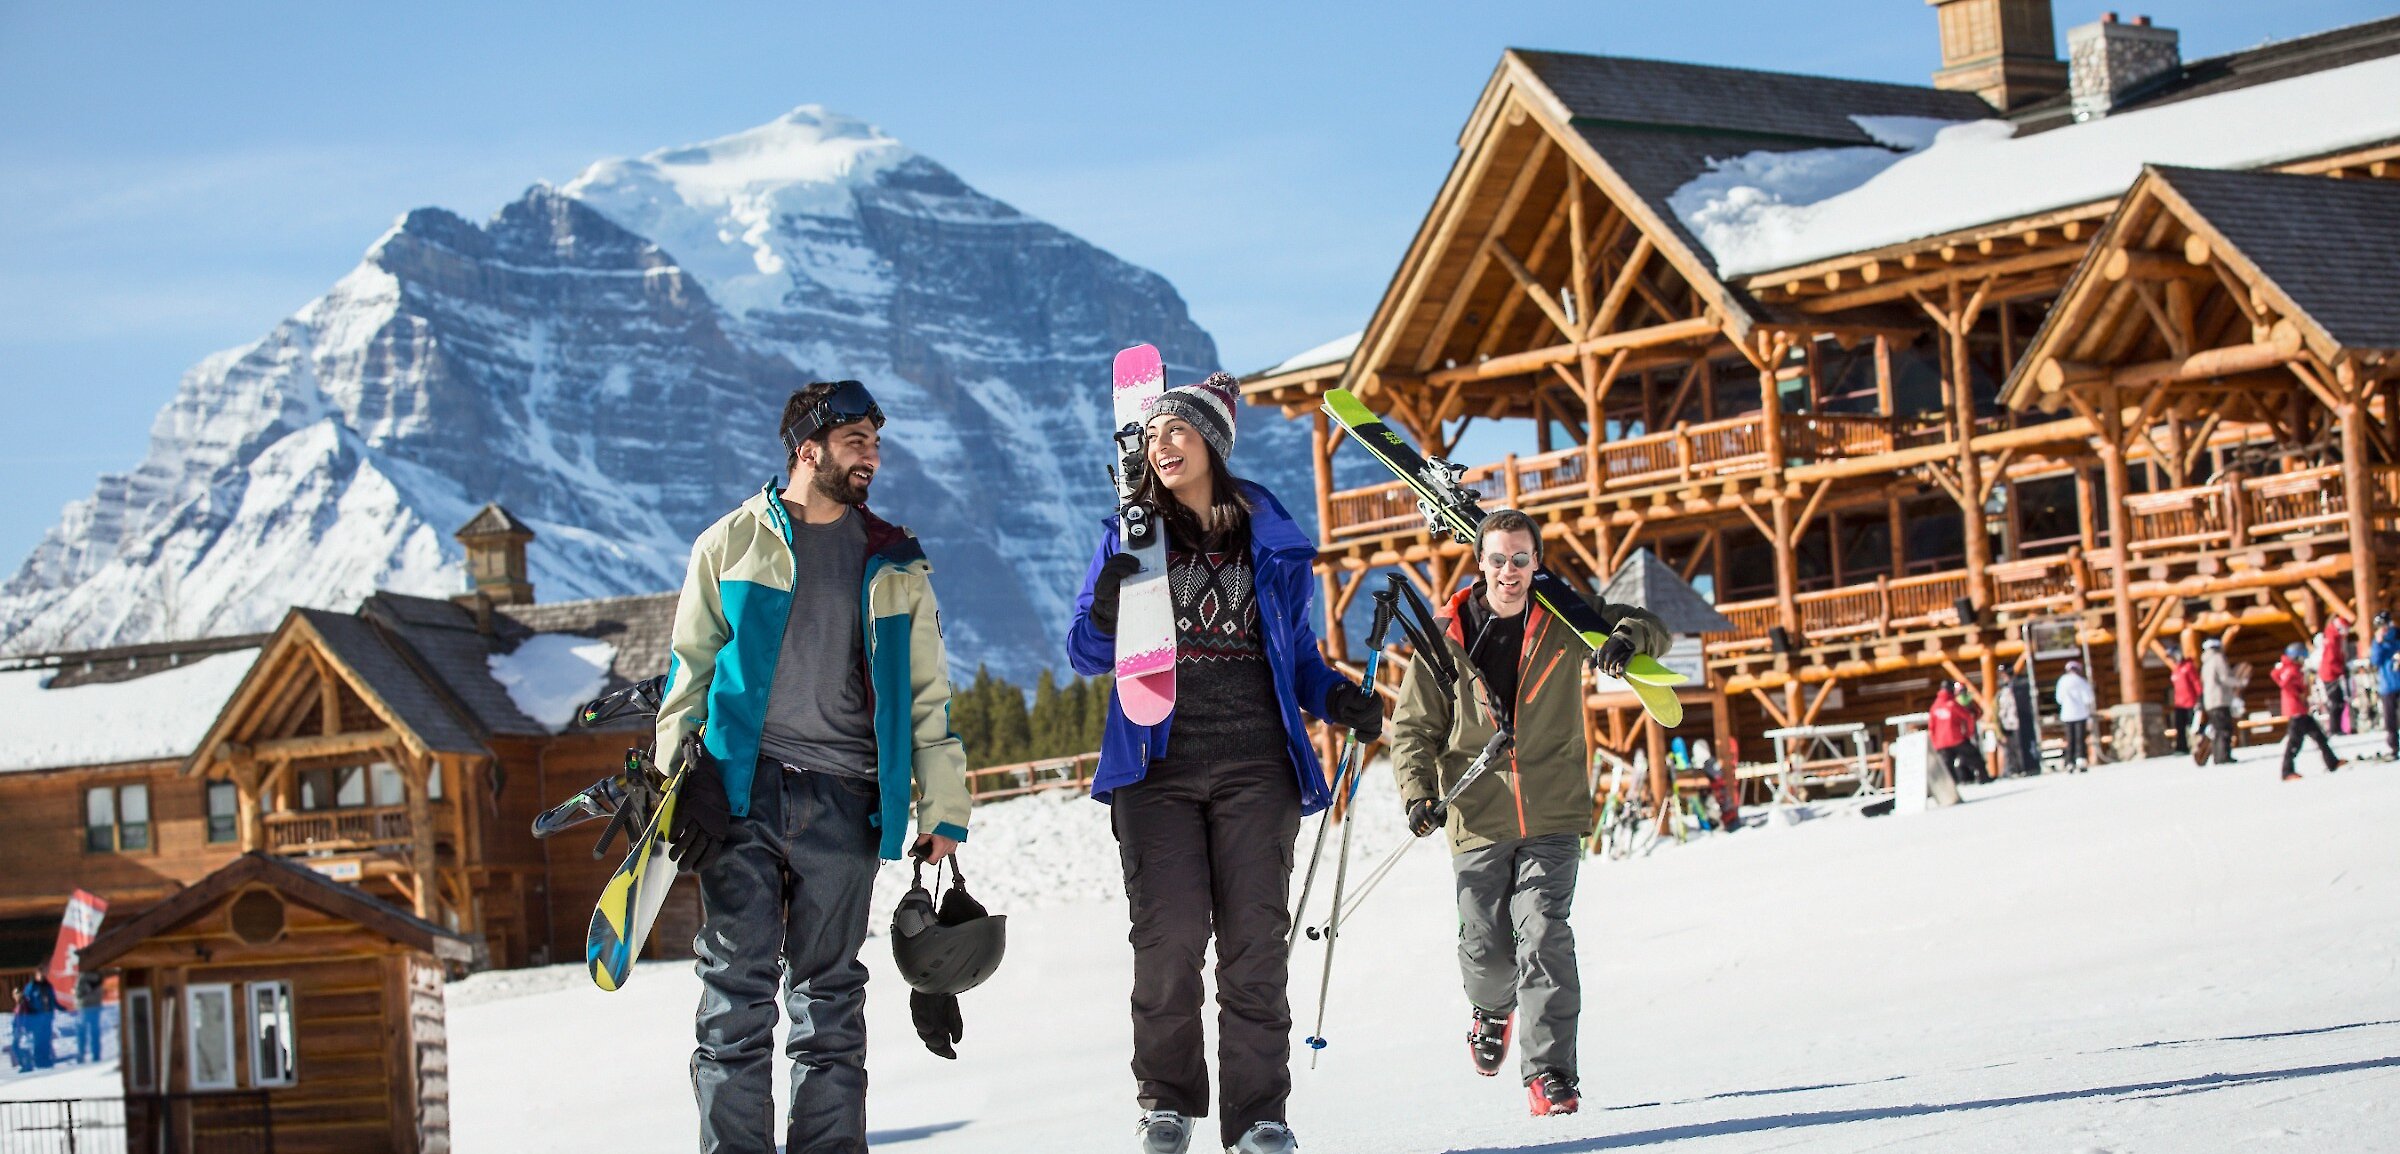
x,y
808,657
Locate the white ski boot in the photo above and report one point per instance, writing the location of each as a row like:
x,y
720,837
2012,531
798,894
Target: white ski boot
x,y
1163,1132
1266,1138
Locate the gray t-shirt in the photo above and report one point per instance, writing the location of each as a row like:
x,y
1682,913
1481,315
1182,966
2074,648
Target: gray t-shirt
x,y
817,713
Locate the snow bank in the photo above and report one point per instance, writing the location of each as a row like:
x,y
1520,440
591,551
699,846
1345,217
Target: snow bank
x,y
2131,959
550,674
162,715
1771,210
1337,349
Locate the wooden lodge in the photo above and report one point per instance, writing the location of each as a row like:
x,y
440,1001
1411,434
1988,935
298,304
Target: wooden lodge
x,y
2057,401
377,747
268,1007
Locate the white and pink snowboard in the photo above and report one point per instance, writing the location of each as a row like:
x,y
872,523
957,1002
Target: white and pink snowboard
x,y
1145,603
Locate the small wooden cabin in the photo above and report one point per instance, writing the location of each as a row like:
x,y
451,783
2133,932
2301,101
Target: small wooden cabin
x,y
269,980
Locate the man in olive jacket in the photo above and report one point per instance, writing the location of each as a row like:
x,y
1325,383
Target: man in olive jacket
x,y
1516,832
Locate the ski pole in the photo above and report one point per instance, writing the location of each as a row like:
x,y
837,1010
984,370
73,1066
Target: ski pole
x,y
1344,769
1491,750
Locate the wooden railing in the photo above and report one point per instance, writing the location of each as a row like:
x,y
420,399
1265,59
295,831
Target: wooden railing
x,y
1751,620
2039,584
339,830
1685,453
1822,436
2231,514
993,782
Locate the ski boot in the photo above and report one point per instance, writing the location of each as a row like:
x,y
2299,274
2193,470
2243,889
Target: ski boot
x,y
1266,1138
1552,1093
1163,1132
1487,1041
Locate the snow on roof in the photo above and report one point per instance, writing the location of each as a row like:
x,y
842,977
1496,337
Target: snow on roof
x,y
1337,349
550,674
101,723
1771,210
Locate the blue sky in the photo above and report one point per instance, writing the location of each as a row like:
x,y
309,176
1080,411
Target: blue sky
x,y
174,179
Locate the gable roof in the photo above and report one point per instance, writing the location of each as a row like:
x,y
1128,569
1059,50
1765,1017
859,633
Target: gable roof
x,y
382,667
295,882
2332,247
1646,581
492,520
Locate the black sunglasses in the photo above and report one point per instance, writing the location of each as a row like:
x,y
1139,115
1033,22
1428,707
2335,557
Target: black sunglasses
x,y
849,401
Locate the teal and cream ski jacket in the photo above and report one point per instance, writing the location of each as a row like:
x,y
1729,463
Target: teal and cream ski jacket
x,y
729,626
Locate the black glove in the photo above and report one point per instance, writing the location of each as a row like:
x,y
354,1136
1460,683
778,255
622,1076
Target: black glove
x,y
938,1023
1105,585
1355,708
1426,815
1614,655
702,815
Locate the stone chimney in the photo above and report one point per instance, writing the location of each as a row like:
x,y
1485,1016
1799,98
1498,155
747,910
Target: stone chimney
x,y
2002,50
496,572
2110,61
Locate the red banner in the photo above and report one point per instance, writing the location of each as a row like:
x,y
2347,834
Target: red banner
x,y
75,931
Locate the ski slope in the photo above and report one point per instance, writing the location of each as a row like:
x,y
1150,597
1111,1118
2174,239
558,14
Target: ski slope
x,y
2151,957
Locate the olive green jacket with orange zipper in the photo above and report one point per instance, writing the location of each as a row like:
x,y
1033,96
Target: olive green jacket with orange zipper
x,y
1542,785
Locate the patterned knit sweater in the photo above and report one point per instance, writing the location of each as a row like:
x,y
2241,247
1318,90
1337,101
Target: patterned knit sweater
x,y
1224,690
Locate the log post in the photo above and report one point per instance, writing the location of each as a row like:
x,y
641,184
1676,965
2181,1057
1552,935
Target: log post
x,y
420,828
2112,458
1320,456
2361,494
1970,469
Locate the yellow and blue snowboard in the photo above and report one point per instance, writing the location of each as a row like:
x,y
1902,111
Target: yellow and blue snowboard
x,y
630,902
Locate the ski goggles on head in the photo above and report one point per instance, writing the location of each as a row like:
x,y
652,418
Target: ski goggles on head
x,y
1520,559
849,401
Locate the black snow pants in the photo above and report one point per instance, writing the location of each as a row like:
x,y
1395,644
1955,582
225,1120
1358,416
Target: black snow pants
x,y
1208,848
2223,735
2302,729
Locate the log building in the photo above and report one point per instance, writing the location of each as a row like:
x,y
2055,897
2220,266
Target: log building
x,y
2010,392
380,747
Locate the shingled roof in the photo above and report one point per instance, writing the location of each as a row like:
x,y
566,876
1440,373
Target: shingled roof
x,y
378,658
2264,64
2331,246
1646,581
296,882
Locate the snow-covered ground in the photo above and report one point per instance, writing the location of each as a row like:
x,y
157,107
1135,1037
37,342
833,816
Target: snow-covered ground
x,y
2150,957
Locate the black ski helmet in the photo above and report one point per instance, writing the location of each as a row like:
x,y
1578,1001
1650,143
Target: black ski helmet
x,y
950,950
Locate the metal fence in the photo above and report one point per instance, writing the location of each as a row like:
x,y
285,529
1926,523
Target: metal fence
x,y
226,1123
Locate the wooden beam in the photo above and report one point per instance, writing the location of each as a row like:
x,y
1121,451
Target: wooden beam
x,y
322,745
1501,219
2279,349
1532,288
1605,316
1519,363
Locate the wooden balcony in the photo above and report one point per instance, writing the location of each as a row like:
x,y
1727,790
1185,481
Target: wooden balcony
x,y
339,830
2238,512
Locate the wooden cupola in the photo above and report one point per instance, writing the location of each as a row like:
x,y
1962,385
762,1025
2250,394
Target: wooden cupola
x,y
495,542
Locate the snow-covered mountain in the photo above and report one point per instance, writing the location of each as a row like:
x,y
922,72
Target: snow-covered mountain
x,y
607,359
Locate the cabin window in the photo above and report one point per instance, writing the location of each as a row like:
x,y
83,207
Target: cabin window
x,y
116,818
224,812
385,784
209,1039
140,1062
271,1048
343,787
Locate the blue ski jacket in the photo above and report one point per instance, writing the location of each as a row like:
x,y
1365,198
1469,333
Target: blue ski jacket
x,y
1279,556
2387,649
728,636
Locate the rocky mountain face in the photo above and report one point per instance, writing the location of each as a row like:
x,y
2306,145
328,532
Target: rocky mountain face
x,y
607,359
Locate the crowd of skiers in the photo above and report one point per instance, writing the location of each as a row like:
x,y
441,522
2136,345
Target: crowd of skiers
x,y
809,695
2205,706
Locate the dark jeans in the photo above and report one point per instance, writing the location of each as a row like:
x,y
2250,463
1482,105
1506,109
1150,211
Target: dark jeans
x,y
1515,948
2079,748
2302,729
1964,761
2391,722
2223,735
785,902
1209,847
2182,715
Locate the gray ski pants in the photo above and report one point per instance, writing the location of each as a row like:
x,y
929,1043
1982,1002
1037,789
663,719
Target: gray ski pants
x,y
1209,848
1515,947
784,902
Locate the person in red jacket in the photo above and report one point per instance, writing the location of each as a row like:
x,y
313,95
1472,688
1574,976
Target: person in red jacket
x,y
2186,682
1952,726
2333,668
2301,724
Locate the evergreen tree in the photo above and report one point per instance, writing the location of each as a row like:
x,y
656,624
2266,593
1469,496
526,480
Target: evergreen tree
x,y
971,718
1012,728
1050,734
